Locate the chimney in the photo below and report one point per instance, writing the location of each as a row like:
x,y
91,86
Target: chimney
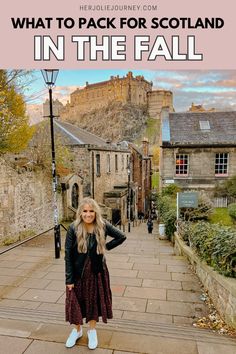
x,y
145,147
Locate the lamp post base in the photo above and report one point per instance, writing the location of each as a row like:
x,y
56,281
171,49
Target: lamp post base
x,y
57,240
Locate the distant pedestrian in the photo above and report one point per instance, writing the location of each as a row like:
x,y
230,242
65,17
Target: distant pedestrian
x,y
141,216
150,225
88,293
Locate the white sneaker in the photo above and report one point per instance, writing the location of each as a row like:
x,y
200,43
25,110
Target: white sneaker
x,y
73,337
92,339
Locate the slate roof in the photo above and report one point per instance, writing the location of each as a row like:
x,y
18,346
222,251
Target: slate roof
x,y
184,129
72,135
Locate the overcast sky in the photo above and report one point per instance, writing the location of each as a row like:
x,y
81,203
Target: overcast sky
x,y
212,89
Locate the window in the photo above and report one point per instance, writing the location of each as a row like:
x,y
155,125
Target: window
x,y
204,125
116,162
98,165
75,196
108,163
221,163
181,164
127,161
122,162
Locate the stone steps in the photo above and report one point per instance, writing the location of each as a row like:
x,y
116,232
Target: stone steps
x,y
121,325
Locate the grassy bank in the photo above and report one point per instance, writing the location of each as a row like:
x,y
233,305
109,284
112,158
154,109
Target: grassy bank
x,y
221,216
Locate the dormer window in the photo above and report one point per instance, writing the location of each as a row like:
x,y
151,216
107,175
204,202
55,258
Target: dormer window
x,y
204,125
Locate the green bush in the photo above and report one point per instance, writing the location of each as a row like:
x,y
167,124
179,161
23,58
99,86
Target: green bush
x,y
184,230
231,186
170,190
232,210
215,244
167,213
227,188
169,220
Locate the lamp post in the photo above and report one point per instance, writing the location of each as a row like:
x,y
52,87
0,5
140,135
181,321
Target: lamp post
x,y
50,77
128,171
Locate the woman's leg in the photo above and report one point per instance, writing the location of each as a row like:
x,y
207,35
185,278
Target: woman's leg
x,y
92,324
92,335
75,334
78,327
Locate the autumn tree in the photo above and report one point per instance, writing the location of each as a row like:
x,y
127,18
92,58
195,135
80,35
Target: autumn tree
x,y
40,149
15,131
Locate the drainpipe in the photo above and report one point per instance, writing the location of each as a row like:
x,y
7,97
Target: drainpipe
x,y
93,192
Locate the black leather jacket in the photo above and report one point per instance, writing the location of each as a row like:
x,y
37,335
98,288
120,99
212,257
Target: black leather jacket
x,y
74,261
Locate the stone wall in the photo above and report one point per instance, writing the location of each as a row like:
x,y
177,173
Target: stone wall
x,y
201,166
25,202
221,290
81,163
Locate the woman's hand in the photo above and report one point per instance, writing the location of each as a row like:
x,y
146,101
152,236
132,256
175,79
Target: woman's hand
x,y
70,286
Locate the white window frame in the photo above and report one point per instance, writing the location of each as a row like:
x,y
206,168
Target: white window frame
x,y
224,156
181,157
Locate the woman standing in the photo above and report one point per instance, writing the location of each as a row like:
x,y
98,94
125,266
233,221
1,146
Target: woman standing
x,y
88,293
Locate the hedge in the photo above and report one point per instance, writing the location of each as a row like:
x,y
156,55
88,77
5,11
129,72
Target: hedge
x,y
232,211
214,244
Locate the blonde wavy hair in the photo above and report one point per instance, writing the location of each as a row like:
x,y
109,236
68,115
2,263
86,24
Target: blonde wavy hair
x,y
99,227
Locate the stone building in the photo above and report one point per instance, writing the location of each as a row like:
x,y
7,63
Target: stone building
x,y
128,89
97,168
142,171
200,108
101,165
157,100
198,150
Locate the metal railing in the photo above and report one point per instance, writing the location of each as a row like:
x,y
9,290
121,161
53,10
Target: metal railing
x,y
19,243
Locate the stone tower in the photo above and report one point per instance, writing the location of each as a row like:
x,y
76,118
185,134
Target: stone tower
x,y
158,99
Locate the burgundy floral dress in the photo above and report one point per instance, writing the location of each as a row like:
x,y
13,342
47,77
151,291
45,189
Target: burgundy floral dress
x,y
91,296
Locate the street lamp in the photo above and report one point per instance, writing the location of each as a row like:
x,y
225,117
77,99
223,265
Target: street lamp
x,y
50,77
128,171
